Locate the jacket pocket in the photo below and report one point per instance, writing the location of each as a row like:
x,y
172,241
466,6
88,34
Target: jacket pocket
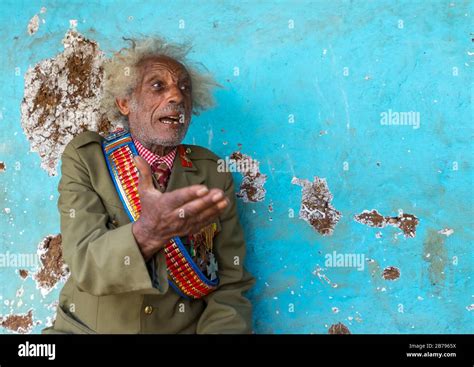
x,y
68,324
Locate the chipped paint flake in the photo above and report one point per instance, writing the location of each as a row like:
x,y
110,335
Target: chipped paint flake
x,y
446,231
53,268
406,222
316,208
339,328
391,273
251,188
371,219
62,98
23,273
19,323
33,25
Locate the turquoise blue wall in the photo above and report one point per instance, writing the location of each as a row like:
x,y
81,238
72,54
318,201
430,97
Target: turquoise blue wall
x,y
423,64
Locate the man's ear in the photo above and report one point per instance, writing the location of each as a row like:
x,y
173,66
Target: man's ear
x,y
123,105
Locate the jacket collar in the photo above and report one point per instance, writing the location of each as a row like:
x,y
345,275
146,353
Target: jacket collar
x,y
181,175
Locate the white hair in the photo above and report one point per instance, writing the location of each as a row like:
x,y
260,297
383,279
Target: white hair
x,y
121,74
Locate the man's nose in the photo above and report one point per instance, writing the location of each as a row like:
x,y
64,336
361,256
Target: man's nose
x,y
175,95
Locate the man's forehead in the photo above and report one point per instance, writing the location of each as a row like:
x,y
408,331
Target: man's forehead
x,y
160,64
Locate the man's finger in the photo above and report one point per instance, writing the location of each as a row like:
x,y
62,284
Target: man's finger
x,y
195,207
179,197
213,211
145,181
210,215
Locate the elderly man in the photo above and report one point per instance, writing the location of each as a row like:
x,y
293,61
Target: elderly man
x,y
149,226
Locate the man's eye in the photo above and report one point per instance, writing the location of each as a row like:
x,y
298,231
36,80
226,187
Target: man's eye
x,y
157,85
184,87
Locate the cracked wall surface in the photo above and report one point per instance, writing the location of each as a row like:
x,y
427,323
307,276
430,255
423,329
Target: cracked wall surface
x,y
354,223
62,98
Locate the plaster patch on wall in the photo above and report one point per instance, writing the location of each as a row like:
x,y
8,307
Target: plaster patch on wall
x,y
53,268
316,208
391,273
251,188
62,98
19,323
339,328
406,222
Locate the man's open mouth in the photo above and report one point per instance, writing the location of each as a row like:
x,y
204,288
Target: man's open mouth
x,y
172,119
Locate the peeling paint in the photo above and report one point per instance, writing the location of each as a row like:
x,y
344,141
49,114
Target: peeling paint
x,y
23,273
53,268
339,328
19,323
316,208
251,188
391,273
406,222
62,98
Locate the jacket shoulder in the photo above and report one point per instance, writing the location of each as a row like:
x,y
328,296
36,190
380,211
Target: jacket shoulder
x,y
195,152
85,138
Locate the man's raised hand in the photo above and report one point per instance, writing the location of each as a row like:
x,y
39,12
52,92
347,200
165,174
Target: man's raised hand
x,y
176,213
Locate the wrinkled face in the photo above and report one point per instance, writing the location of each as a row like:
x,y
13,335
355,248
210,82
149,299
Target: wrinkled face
x,y
161,104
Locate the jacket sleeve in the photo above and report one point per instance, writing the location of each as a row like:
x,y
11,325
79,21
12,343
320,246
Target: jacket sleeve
x,y
103,260
228,310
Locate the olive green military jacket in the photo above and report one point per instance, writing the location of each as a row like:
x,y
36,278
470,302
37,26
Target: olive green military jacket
x,y
110,289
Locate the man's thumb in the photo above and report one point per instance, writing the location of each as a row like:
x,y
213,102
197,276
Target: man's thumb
x,y
145,182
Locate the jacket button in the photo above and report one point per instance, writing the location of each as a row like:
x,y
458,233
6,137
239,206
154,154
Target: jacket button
x,y
148,310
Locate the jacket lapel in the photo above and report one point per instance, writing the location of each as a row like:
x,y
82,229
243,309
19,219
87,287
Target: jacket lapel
x,y
182,176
